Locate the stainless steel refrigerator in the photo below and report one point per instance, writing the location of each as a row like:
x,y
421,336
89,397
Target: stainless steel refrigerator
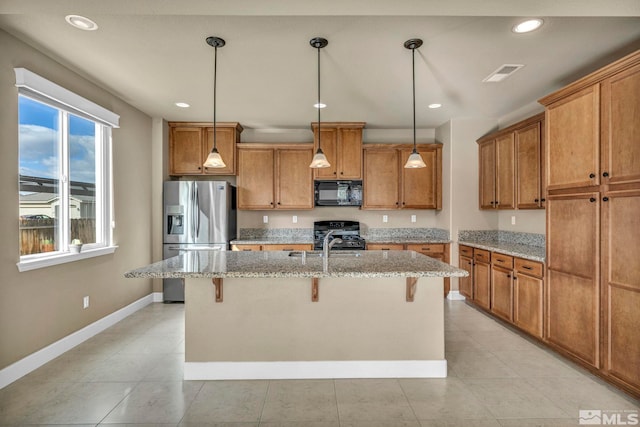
x,y
198,215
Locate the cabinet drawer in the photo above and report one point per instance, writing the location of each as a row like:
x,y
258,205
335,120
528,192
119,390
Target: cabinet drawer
x,y
531,268
466,251
287,247
246,247
435,248
482,255
501,260
385,246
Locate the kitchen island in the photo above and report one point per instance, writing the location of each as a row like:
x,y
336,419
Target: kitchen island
x,y
282,315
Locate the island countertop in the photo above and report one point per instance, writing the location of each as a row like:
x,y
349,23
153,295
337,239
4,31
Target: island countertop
x,y
274,264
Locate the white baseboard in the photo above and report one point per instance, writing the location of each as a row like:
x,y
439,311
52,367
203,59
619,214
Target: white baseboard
x,y
315,370
158,297
33,361
456,296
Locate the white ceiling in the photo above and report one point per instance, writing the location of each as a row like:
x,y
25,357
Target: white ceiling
x,y
152,53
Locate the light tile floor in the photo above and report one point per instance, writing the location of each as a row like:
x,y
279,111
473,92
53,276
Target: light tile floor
x,y
131,374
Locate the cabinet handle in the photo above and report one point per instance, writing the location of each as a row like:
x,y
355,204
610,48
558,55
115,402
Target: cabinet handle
x,y
526,267
247,250
592,175
543,200
605,174
592,199
287,249
341,173
278,202
499,260
334,173
605,199
509,276
536,200
199,167
492,202
515,278
403,203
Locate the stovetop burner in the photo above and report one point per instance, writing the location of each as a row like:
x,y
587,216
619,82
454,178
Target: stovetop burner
x,y
348,231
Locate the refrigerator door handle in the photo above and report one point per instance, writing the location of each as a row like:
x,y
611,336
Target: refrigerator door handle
x,y
197,210
192,198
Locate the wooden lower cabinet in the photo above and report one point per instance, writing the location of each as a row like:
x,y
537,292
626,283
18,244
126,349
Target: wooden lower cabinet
x,y
482,284
528,291
621,286
385,246
572,287
502,292
465,284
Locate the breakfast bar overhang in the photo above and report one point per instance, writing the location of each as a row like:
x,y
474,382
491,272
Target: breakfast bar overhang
x,y
282,315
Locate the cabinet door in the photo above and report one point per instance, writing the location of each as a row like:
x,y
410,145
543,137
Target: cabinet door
x,y
380,186
226,145
621,127
421,187
185,151
329,145
502,293
465,284
294,179
349,156
482,284
621,283
256,178
527,303
572,285
573,140
528,186
505,172
487,154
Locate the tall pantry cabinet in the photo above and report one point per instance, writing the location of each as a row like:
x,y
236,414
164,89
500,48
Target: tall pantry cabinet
x,y
593,221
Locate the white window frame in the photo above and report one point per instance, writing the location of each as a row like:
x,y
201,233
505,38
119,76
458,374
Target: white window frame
x,y
42,90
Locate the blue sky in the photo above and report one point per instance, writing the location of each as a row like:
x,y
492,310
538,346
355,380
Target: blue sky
x,y
38,142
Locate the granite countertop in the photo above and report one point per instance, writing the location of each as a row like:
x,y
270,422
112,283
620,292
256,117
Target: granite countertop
x,y
273,264
534,253
409,240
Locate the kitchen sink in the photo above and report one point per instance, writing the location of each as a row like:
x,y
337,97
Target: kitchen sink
x,y
318,254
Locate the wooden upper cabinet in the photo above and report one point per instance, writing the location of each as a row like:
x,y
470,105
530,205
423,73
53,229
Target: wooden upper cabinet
x,y
529,187
510,166
572,144
226,140
621,127
505,172
256,178
487,156
381,188
191,142
275,176
341,143
185,150
388,185
421,186
294,188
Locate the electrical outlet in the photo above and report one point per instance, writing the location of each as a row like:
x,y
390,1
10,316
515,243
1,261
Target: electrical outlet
x,y
413,218
85,302
265,219
294,219
385,218
513,220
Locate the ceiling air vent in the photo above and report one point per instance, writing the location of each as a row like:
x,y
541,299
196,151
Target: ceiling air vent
x,y
502,73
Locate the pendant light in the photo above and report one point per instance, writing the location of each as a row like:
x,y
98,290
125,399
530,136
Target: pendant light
x,y
319,159
415,159
214,160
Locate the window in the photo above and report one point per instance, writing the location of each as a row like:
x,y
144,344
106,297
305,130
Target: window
x,y
65,173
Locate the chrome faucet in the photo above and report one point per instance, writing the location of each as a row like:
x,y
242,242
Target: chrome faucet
x,y
328,244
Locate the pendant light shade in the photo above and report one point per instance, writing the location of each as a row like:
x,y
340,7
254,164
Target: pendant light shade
x,y
319,159
415,159
214,160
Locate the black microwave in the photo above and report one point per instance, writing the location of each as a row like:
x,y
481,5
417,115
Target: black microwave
x,y
338,193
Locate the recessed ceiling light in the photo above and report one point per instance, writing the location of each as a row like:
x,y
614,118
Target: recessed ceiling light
x,y
320,105
81,22
435,105
528,25
182,105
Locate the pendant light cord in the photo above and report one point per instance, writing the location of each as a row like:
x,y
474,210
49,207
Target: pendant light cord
x,y
215,74
413,68
319,147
